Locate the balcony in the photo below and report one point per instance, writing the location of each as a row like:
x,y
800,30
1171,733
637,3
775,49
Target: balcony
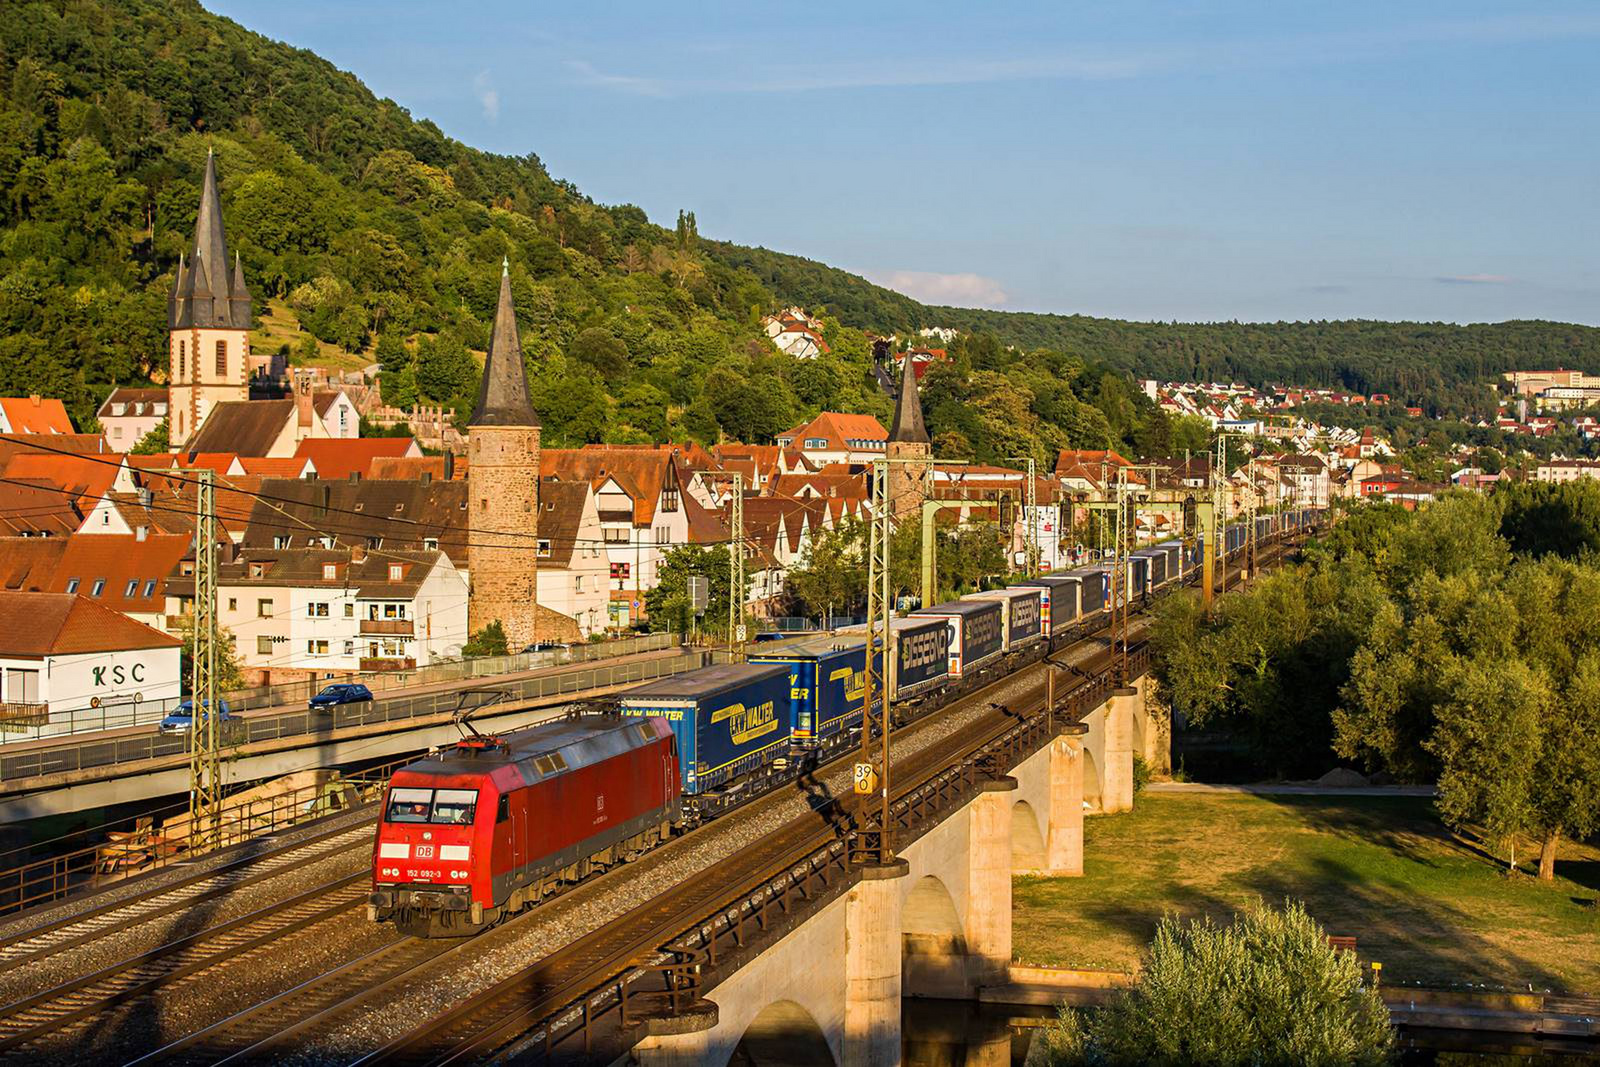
x,y
388,664
16,713
389,627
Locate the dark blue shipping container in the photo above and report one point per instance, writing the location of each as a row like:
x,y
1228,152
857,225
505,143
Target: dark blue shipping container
x,y
729,720
1155,565
977,632
1024,613
921,658
1092,591
1060,600
1175,563
1138,575
827,683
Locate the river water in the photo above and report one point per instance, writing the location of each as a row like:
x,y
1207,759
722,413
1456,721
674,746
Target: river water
x,y
940,1033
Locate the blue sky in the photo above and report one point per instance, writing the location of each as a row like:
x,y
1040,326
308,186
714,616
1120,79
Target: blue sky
x,y
1184,160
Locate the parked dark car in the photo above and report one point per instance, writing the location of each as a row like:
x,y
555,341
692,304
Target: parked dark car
x,y
181,719
340,693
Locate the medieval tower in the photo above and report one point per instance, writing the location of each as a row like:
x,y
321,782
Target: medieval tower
x,y
908,441
503,495
208,323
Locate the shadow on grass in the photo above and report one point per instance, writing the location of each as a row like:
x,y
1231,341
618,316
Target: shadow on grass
x,y
1138,921
1417,937
1406,826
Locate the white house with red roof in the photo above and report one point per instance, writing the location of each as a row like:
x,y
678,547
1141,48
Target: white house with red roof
x,y
795,333
836,437
69,664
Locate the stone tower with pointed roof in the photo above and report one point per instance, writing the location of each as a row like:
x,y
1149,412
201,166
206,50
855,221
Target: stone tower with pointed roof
x,y
908,440
503,494
208,322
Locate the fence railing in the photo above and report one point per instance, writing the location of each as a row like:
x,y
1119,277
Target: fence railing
x,y
111,751
148,847
66,723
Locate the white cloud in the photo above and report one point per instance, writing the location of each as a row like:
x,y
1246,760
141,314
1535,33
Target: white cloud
x,y
1472,279
488,96
962,290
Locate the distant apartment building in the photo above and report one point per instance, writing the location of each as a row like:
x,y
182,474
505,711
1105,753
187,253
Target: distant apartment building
x,y
1566,470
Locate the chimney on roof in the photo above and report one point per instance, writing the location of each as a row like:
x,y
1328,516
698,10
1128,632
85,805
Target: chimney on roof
x,y
327,499
302,409
358,553
140,532
449,466
146,498
427,477
36,399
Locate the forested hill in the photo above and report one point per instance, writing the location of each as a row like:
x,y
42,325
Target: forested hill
x,y
378,234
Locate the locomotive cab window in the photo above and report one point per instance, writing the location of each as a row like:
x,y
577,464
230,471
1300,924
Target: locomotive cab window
x,y
409,805
454,806
504,811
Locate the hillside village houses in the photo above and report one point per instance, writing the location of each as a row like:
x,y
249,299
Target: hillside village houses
x,y
341,554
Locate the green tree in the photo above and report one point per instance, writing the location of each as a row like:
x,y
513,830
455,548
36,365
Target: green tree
x,y
1190,433
1265,989
668,603
230,672
154,443
489,641
832,578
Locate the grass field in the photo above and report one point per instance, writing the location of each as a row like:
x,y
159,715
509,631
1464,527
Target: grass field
x,y
1429,907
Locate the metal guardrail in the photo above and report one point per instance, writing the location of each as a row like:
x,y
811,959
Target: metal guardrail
x,y
124,714
112,751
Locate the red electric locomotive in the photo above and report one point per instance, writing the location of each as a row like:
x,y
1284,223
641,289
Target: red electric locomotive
x,y
488,827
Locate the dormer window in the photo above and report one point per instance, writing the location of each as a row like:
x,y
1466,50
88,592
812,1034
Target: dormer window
x,y
396,572
330,572
258,570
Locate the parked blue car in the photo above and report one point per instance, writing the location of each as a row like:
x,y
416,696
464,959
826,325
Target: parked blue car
x,y
340,693
181,719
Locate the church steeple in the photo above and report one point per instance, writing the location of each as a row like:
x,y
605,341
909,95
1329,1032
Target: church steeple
x,y
908,426
205,295
503,398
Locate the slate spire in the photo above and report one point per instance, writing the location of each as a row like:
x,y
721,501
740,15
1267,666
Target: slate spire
x,y
503,394
908,426
205,294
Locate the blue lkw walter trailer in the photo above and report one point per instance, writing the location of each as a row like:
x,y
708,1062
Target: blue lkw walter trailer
x,y
827,683
729,720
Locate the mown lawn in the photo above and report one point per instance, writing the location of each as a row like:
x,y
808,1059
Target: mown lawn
x,y
1383,869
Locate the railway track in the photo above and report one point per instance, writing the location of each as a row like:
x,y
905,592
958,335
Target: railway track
x,y
152,902
48,1013
526,1007
502,1014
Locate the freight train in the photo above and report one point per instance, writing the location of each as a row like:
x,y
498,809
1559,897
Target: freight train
x,y
472,834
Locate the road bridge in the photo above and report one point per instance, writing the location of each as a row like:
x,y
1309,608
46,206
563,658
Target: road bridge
x,y
86,771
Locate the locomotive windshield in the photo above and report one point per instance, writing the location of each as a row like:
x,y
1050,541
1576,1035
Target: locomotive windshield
x,y
453,806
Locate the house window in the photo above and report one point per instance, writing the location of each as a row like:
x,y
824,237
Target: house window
x,y
116,433
669,499
22,686
396,572
330,572
233,603
222,359
663,535
430,544
349,611
264,608
816,442
263,646
614,537
183,366
349,648
317,648
317,610
544,547
281,541
374,542
72,585
620,570
133,587
99,587
577,584
150,589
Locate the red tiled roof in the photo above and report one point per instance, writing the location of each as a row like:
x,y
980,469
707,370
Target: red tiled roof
x,y
288,467
412,468
86,479
641,474
50,565
36,414
340,457
44,624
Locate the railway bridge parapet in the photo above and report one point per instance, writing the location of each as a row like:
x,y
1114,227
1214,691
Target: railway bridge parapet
x,y
935,923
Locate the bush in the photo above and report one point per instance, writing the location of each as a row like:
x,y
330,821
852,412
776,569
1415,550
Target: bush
x,y
1266,989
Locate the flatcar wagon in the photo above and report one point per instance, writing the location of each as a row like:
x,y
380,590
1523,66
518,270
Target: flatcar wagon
x,y
488,827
